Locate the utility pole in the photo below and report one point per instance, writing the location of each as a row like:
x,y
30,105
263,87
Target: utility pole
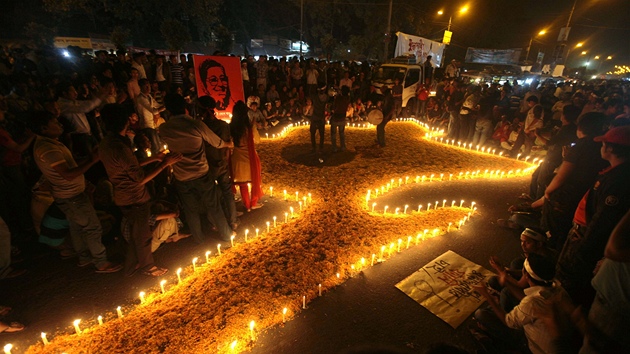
x,y
388,31
301,25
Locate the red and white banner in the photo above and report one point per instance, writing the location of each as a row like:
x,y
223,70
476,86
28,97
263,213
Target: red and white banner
x,y
220,78
420,47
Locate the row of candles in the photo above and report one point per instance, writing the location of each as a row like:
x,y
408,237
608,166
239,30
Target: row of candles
x,y
290,214
291,126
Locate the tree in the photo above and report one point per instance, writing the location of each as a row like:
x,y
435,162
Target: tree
x,y
40,34
120,37
175,34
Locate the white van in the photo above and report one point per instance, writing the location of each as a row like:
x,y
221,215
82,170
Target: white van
x,y
409,75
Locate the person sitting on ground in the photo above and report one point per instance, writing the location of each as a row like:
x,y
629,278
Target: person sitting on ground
x,y
539,272
256,117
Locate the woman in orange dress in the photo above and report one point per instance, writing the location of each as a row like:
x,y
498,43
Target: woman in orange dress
x,y
244,161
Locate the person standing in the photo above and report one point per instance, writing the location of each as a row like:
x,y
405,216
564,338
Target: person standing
x,y
397,93
68,190
194,182
130,191
148,114
245,162
219,159
318,119
389,110
338,118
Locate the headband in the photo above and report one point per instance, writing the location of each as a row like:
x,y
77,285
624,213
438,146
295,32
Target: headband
x,y
531,273
533,234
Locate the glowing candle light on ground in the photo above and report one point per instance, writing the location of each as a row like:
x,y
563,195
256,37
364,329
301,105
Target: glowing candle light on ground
x,y
419,207
257,232
396,211
437,203
7,348
300,205
449,227
297,198
274,221
232,240
472,205
373,257
382,252
391,248
319,289
286,217
304,302
443,203
285,194
141,295
100,320
233,345
268,226
338,276
271,192
431,177
284,315
408,241
77,329
310,198
162,283
304,199
208,257
399,243
452,203
461,202
428,206
373,205
441,176
423,177
119,311
406,207
291,210
406,179
179,272
252,324
385,209
194,262
44,339
450,177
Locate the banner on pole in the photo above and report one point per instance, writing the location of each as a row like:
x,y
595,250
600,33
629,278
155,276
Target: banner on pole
x,y
444,287
220,78
420,47
493,56
447,37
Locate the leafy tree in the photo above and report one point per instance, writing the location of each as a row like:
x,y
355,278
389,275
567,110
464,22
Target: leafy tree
x,y
40,34
175,34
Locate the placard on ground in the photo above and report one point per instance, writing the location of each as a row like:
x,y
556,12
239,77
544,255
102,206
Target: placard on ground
x,y
445,287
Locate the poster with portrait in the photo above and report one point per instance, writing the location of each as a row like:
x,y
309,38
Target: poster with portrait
x,y
220,78
445,287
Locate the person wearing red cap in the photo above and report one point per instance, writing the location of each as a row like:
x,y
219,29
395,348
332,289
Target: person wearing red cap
x,y
601,208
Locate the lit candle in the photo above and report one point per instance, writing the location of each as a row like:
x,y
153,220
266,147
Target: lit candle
x,y
382,252
44,339
437,203
233,345
428,206
406,179
452,203
119,312
362,262
77,329
406,207
399,182
310,198
7,348
252,324
291,210
257,233
373,205
443,202
286,217
271,192
304,199
450,177
431,177
472,205
399,243
373,256
141,295
424,234
435,231
296,196
461,202
208,256
419,207
417,179
517,156
396,211
284,315
179,272
460,175
385,209
460,224
300,205
304,302
338,276
319,289
232,240
269,225
194,262
267,135
391,248
274,221
285,194
423,177
162,283
418,238
100,320
449,227
148,152
441,176
408,241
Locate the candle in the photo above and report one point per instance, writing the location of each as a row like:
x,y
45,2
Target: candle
x,y
44,339
208,257
517,156
437,203
418,237
7,348
423,177
461,202
179,274
194,262
441,176
119,311
233,345
310,198
257,232
100,320
450,177
399,182
417,179
141,295
286,217
271,192
472,205
319,289
382,251
284,315
406,179
406,206
396,211
391,248
449,227
274,221
399,242
285,194
148,152
428,206
408,241
424,234
291,210
304,302
162,283
252,324
338,276
419,207
268,225
296,196
460,224
300,205
304,200
373,205
373,256
267,135
232,240
219,249
435,231
76,326
385,210
431,177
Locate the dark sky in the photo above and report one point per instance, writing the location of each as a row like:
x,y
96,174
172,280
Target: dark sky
x,y
602,25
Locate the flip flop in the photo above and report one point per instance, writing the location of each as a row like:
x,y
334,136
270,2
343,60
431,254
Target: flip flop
x,y
155,271
11,327
109,268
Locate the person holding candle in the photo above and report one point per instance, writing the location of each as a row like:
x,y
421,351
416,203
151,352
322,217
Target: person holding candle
x,y
130,192
246,170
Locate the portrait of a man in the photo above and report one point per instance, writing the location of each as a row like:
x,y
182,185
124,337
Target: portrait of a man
x,y
215,82
220,78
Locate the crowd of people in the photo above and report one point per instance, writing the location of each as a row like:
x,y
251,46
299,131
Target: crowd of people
x,y
115,146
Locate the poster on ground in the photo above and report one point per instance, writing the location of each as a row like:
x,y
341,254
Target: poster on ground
x,y
445,287
220,78
420,47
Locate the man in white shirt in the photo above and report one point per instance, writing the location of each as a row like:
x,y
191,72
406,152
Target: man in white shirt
x,y
312,74
138,58
533,121
148,112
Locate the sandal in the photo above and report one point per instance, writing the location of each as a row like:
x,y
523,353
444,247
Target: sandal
x,y
155,271
109,268
11,327
15,273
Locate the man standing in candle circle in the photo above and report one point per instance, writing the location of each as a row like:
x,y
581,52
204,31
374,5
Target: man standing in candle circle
x,y
130,191
68,190
194,182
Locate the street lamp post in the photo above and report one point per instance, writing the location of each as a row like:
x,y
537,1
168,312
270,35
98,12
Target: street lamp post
x,y
462,11
531,40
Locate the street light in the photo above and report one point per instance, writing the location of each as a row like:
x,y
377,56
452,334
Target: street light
x,y
529,47
462,11
448,34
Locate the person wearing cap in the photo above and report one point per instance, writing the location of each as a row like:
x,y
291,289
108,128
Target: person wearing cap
x,y
528,315
601,208
510,281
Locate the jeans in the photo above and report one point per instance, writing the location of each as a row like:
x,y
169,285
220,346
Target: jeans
x,y
85,229
315,127
420,108
380,133
483,129
139,255
224,183
201,196
341,125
